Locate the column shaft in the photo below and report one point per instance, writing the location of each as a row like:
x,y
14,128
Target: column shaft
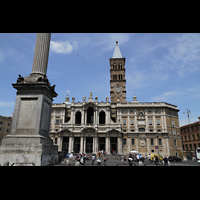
x,y
41,53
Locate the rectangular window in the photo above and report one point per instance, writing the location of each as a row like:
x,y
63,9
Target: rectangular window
x,y
150,122
173,123
158,122
174,132
174,142
152,142
56,140
132,122
160,141
57,121
133,141
124,141
124,122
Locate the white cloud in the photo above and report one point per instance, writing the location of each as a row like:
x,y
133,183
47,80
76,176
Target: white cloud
x,y
67,91
63,47
6,104
183,54
167,96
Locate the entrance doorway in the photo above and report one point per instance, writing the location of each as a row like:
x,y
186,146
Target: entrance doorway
x,y
113,144
89,144
102,143
90,115
76,144
65,144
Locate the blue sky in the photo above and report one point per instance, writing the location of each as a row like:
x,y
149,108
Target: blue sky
x,y
159,67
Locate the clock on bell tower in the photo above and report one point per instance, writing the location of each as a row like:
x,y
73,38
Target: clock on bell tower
x,y
117,77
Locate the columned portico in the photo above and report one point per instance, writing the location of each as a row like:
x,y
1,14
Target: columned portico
x,y
90,141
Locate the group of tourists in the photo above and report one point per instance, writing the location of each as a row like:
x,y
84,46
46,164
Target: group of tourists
x,y
81,157
138,157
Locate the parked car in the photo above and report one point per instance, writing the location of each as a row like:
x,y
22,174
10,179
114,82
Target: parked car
x,y
174,158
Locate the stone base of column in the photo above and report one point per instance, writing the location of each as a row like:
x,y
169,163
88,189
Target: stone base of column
x,y
26,150
29,141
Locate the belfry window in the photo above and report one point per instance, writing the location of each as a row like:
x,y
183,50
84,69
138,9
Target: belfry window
x,y
120,77
114,77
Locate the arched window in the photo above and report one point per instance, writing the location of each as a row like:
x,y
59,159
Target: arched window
x,y
102,117
78,117
90,115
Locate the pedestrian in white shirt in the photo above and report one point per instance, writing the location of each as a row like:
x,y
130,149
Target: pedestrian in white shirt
x,y
138,158
93,158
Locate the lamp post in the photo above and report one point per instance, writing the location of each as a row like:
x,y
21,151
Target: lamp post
x,y
188,115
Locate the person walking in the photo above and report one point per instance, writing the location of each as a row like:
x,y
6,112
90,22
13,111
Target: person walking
x,y
104,159
93,158
149,157
130,160
165,161
138,159
156,159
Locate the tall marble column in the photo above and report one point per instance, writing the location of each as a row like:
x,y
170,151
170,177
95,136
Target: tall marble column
x,y
41,54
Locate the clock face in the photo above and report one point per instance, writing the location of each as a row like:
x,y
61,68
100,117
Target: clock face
x,y
118,89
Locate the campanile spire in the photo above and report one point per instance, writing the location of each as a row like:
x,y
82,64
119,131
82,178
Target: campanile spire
x,y
117,53
117,77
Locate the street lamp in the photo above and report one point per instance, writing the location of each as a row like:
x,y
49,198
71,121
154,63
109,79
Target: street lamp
x,y
188,115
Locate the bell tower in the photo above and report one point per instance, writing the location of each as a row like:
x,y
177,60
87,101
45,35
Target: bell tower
x,y
117,77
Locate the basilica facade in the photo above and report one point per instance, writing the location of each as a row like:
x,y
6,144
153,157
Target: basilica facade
x,y
116,125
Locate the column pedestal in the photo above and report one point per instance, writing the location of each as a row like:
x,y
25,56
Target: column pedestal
x,y
29,140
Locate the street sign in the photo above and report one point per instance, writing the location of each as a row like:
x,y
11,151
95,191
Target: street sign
x,y
156,147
